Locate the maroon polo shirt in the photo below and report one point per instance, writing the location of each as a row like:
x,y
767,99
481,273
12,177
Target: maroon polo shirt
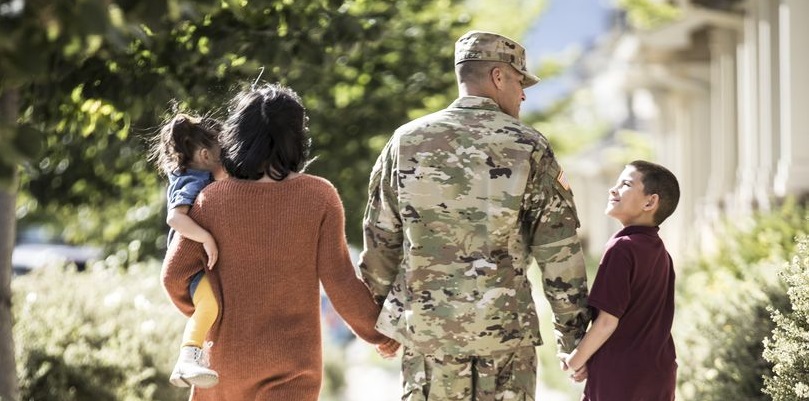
x,y
635,282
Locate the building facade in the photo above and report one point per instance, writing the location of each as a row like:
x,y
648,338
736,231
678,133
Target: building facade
x,y
722,94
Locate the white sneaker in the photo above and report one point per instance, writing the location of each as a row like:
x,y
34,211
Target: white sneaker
x,y
191,371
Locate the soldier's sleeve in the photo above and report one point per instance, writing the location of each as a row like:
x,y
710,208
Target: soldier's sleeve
x,y
382,227
551,222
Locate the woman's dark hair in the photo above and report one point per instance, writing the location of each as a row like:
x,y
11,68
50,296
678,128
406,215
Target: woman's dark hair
x,y
180,137
265,133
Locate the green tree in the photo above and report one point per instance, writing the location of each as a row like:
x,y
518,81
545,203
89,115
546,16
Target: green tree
x,y
508,17
36,38
649,14
8,381
91,80
363,67
96,77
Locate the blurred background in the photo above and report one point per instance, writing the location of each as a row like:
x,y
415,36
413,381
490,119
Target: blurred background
x,y
716,90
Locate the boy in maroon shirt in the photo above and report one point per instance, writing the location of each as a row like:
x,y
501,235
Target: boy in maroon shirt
x,y
628,353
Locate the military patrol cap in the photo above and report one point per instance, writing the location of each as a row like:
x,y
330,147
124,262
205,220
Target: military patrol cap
x,y
488,46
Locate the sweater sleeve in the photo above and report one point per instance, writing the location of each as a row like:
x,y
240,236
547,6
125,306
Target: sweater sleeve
x,y
183,260
351,298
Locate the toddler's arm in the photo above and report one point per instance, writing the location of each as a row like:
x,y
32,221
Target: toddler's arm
x,y
179,220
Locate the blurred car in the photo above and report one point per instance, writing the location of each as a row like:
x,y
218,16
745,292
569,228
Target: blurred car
x,y
37,247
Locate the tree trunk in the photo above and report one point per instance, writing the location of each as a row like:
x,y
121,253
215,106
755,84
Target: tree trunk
x,y
9,390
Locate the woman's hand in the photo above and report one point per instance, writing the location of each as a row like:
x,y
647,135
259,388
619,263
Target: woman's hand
x,y
388,348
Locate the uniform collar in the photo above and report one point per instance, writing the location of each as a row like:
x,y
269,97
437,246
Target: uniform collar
x,y
475,102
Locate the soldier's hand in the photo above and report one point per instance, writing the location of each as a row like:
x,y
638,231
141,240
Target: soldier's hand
x,y
563,357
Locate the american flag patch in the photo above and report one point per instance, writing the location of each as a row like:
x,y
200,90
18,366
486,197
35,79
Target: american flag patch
x,y
563,180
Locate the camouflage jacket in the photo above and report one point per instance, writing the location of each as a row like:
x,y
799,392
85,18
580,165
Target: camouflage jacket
x,y
459,203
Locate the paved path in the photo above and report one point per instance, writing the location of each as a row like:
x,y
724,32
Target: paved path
x,y
371,378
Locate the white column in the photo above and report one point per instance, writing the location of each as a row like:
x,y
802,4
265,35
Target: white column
x,y
768,123
699,158
724,143
696,151
748,112
679,153
792,176
667,140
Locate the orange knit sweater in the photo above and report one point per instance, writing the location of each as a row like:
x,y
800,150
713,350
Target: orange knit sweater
x,y
278,241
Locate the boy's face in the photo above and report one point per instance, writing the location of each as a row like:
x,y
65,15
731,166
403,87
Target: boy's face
x,y
627,203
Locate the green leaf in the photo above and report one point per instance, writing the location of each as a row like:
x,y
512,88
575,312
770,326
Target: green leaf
x,y
29,141
94,16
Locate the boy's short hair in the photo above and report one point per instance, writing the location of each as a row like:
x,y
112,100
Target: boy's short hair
x,y
659,180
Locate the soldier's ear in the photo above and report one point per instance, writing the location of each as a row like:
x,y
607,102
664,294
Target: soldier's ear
x,y
496,75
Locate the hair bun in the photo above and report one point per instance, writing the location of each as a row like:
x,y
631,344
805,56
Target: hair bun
x,y
180,121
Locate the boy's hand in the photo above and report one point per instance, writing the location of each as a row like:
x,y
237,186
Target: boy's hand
x,y
580,375
388,348
575,375
212,251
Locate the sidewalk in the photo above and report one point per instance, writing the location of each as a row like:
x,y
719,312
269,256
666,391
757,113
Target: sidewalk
x,y
371,378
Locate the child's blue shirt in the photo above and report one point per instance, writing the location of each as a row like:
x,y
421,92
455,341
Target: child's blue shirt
x,y
184,188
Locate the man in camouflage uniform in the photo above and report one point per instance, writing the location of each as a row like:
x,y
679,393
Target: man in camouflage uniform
x,y
459,203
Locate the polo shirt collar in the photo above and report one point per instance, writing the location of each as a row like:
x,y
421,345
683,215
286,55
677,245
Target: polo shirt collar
x,y
629,230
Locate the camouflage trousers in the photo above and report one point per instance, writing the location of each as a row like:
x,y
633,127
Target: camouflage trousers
x,y
506,376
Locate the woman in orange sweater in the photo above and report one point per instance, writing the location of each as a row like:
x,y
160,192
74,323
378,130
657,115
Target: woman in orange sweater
x,y
280,234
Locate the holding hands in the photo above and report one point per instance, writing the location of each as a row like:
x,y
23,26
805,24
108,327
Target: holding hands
x,y
577,374
388,348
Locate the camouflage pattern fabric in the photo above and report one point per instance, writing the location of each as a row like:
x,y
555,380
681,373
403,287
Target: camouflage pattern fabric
x,y
459,203
504,376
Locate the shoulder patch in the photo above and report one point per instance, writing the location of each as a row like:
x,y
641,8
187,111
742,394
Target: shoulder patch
x,y
563,180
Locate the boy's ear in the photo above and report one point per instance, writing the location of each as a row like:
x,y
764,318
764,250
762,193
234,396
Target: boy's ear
x,y
651,203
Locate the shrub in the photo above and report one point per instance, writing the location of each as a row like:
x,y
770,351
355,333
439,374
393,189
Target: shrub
x,y
107,334
722,299
760,237
719,329
788,348
97,335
